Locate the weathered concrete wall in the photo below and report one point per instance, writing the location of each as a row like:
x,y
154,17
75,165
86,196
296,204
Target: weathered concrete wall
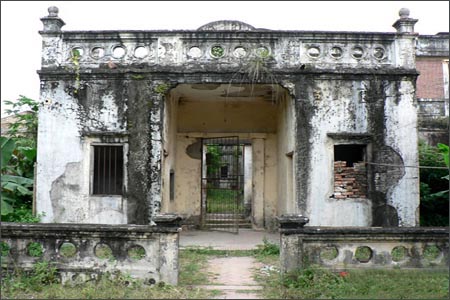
x,y
85,252
286,151
363,247
119,87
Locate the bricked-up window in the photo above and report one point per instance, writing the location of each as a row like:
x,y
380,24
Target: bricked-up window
x,y
108,170
350,177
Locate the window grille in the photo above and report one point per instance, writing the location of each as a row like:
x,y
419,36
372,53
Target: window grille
x,y
108,170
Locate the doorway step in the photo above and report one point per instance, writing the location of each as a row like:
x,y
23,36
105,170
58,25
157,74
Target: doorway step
x,y
222,221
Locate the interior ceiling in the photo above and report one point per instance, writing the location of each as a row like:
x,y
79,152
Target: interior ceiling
x,y
228,92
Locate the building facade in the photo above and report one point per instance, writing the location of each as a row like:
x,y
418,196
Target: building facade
x,y
324,124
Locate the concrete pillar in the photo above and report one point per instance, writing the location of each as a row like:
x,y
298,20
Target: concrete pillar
x,y
248,178
258,182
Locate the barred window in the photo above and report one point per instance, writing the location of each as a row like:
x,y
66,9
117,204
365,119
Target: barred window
x,y
108,170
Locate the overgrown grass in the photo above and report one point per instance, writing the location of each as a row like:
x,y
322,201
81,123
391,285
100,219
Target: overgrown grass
x,y
224,201
315,283
43,283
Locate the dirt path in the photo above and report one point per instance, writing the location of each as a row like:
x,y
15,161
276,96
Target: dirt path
x,y
233,276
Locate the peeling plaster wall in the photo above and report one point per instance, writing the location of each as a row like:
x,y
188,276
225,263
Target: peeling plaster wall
x,y
347,83
401,135
64,194
286,151
336,108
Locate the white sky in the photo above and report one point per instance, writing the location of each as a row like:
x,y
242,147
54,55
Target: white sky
x,y
20,23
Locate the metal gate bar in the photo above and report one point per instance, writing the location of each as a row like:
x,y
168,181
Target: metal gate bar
x,y
222,183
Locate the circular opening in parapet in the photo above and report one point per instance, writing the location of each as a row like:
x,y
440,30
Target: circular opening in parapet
x,y
363,254
262,52
77,52
195,52
103,251
313,52
217,51
379,52
4,248
357,52
431,252
140,52
118,52
67,249
97,52
336,52
399,253
328,253
136,252
35,249
239,52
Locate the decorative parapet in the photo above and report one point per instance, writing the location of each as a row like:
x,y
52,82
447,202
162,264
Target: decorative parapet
x,y
86,251
364,247
226,45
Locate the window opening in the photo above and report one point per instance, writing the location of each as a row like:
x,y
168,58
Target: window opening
x,y
172,185
350,176
108,170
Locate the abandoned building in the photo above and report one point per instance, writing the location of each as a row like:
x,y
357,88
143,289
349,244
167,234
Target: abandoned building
x,y
229,125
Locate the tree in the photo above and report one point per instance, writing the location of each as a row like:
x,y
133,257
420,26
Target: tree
x,y
434,208
18,149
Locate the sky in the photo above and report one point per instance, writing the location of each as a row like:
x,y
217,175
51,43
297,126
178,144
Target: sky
x,y
21,42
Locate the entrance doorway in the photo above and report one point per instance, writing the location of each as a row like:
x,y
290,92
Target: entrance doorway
x,y
222,181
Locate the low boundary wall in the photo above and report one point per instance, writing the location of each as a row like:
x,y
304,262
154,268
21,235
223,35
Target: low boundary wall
x,y
341,248
83,252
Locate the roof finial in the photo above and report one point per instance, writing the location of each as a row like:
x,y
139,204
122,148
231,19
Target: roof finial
x,y
403,13
53,12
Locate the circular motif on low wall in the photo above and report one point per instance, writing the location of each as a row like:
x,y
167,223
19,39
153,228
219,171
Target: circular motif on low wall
x,y
357,52
239,52
313,52
35,249
399,253
217,51
4,249
379,52
103,251
67,249
97,52
136,252
363,254
431,252
336,52
118,51
140,52
195,52
328,253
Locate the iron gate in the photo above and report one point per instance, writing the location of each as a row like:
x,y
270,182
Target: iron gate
x,y
222,183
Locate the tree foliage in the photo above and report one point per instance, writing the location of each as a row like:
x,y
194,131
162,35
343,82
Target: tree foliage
x,y
434,197
18,156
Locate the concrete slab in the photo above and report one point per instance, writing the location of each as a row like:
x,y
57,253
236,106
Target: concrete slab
x,y
246,239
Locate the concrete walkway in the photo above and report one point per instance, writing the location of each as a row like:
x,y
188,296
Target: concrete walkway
x,y
246,239
233,276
